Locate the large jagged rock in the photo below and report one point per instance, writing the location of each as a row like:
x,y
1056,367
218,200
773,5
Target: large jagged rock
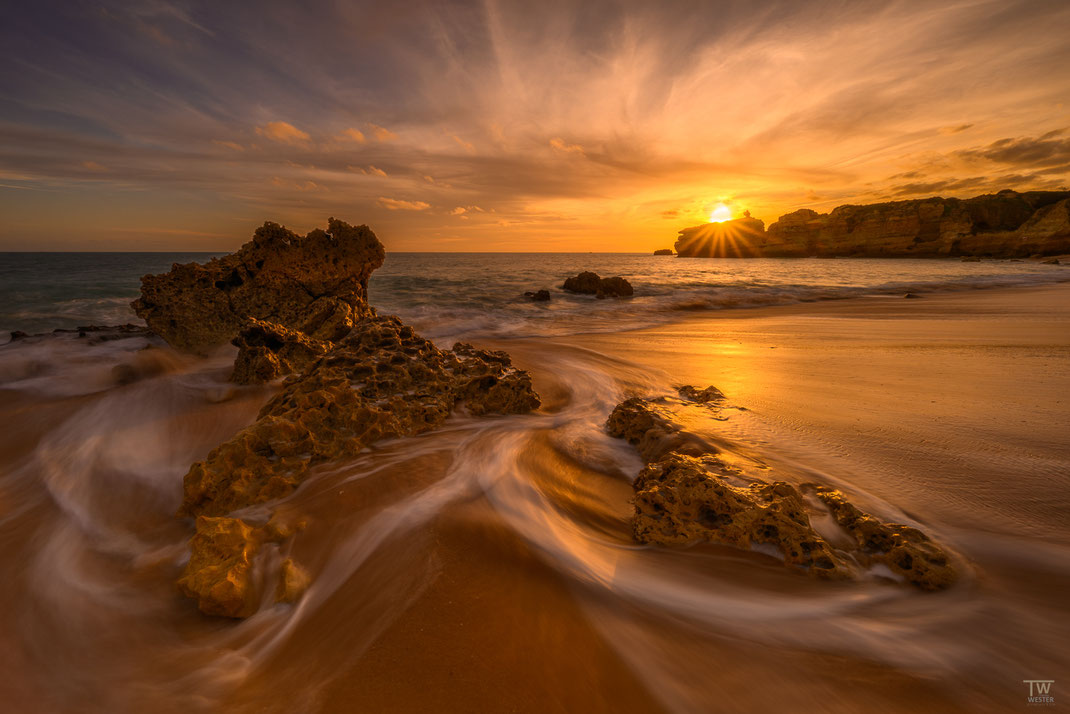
x,y
588,283
317,284
267,351
381,381
297,306
688,494
1007,224
223,573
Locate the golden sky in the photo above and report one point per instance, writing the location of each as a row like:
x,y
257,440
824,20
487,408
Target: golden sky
x,y
551,126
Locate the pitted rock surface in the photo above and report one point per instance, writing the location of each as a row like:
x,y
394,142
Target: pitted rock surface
x,y
278,277
686,495
381,381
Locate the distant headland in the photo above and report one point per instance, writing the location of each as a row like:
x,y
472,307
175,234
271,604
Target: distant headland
x,y
1007,224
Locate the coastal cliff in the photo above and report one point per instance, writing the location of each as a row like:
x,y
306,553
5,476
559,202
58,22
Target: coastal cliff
x,y
1007,224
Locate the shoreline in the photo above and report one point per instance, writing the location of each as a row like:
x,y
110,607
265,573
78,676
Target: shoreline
x,y
429,552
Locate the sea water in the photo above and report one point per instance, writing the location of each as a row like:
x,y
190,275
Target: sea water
x,y
450,295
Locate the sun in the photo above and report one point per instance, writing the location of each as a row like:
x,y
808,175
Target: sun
x,y
720,213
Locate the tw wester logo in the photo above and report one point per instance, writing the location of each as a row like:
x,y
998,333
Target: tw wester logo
x,y
1040,691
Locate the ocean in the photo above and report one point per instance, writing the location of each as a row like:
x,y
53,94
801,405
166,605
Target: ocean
x,y
451,295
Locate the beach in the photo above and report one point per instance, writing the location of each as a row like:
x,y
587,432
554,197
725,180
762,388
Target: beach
x,y
489,565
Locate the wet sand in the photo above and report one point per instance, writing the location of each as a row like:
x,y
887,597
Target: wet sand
x,y
489,566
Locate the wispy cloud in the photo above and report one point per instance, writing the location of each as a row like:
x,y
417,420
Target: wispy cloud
x,y
283,132
394,204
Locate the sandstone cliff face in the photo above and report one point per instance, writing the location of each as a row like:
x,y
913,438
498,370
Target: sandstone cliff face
x,y
687,494
297,306
279,277
1003,225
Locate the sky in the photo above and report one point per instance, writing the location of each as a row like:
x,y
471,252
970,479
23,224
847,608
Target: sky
x,y
511,126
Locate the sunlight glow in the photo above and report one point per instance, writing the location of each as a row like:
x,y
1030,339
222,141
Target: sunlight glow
x,y
720,213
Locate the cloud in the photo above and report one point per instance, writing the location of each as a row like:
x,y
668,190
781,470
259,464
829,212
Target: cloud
x,y
955,129
93,166
353,135
1046,150
283,132
559,145
461,210
370,171
291,185
229,145
778,101
381,133
933,187
467,146
394,204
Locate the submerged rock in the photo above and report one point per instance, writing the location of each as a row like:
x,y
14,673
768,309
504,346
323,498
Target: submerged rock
x,y
224,574
687,494
538,295
381,381
278,277
702,396
903,549
683,499
220,569
588,283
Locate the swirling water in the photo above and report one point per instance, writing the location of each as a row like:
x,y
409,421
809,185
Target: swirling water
x,y
522,519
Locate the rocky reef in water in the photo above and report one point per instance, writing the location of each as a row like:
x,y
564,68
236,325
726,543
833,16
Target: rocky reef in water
x,y
296,308
588,283
688,493
1007,224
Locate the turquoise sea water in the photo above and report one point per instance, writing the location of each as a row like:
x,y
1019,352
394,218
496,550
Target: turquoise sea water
x,y
449,295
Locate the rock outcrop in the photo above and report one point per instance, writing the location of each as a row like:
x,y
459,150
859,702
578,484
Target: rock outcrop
x,y
538,295
588,283
664,251
316,283
381,381
297,306
687,493
222,573
267,351
1007,224
737,238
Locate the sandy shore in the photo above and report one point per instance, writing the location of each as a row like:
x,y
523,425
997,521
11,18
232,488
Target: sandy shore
x,y
489,566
